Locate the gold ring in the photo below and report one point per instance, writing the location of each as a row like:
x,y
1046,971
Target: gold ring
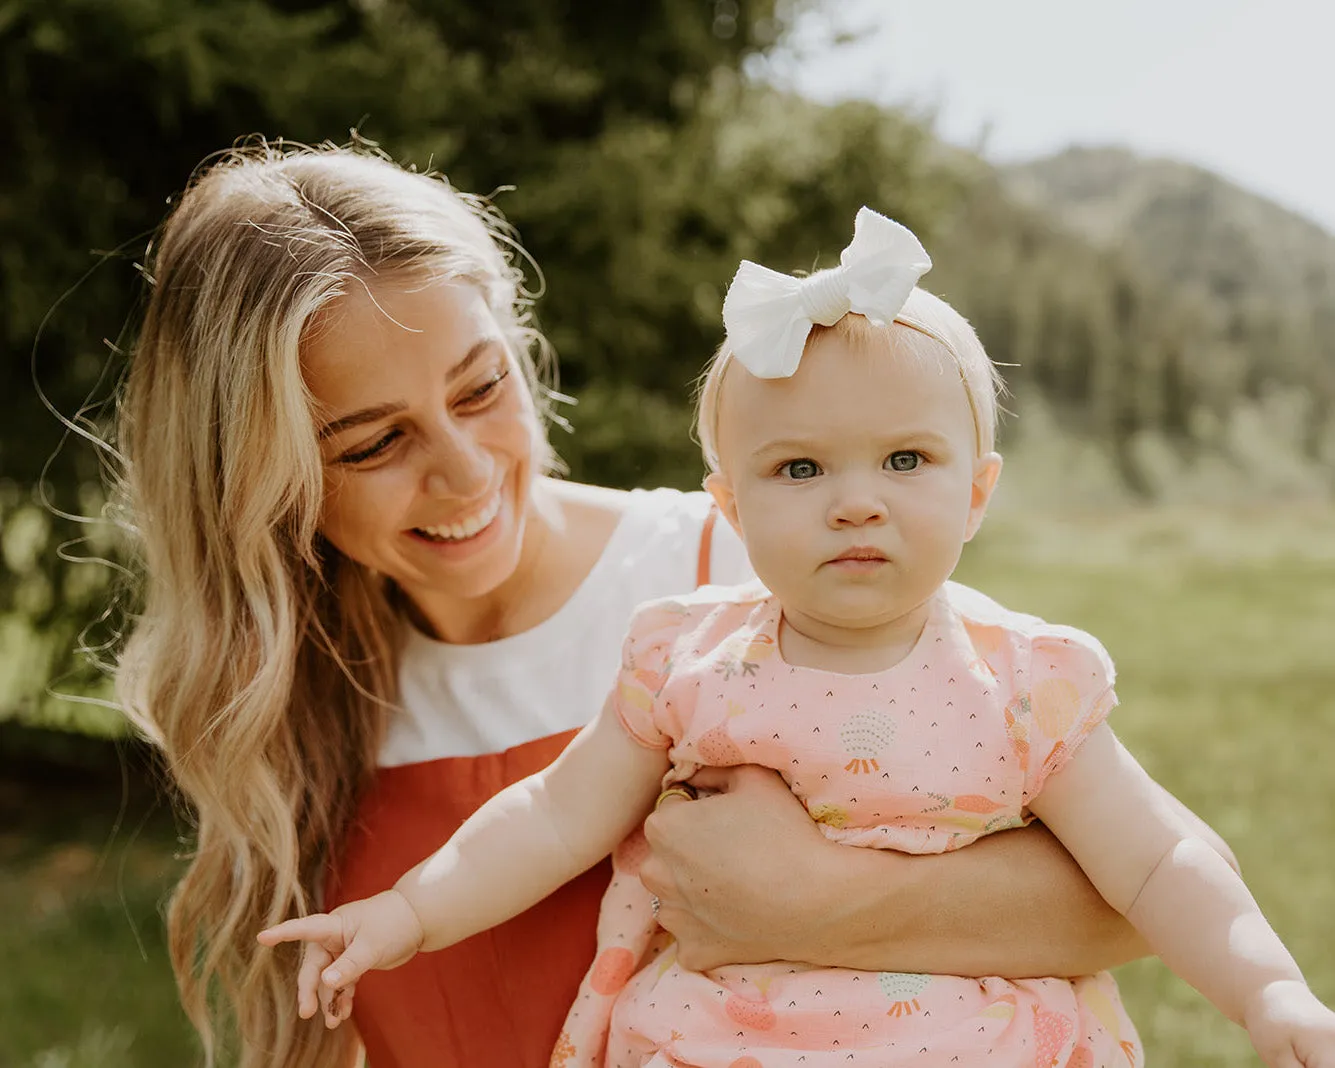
x,y
680,789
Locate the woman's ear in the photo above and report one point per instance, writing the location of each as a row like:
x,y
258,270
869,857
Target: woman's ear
x,y
986,471
716,482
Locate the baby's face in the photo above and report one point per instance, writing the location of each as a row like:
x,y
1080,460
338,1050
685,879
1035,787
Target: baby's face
x,y
855,483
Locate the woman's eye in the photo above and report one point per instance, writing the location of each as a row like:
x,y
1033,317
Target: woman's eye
x,y
800,470
374,449
904,461
488,388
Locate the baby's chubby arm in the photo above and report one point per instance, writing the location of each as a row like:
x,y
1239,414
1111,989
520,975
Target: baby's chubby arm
x,y
516,849
538,834
1192,908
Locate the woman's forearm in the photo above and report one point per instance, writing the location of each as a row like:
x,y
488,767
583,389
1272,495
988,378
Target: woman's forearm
x,y
745,876
1013,904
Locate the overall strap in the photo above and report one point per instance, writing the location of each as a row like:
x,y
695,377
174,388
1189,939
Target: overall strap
x,y
706,546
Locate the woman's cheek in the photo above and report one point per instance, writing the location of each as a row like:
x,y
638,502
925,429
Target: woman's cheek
x,y
361,500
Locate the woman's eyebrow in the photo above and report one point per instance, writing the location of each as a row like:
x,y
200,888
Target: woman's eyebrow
x,y
365,415
381,411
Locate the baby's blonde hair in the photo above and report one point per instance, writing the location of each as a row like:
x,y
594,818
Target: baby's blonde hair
x,y
931,330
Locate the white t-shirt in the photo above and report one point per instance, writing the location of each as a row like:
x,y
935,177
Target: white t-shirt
x,y
467,700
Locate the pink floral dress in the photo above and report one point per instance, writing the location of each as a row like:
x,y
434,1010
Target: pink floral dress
x,y
946,746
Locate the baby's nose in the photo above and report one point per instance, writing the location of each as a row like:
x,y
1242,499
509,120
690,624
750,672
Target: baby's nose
x,y
857,509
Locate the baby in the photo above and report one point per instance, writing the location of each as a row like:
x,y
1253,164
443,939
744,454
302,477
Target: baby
x,y
848,422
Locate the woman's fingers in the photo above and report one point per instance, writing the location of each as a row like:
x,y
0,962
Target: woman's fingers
x,y
715,780
709,780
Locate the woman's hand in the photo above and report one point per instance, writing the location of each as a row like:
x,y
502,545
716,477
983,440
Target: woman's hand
x,y
745,876
728,869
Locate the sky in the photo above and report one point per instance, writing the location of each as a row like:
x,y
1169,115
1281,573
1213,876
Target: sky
x,y
1245,88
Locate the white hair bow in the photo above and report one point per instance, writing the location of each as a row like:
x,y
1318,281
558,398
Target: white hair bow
x,y
768,315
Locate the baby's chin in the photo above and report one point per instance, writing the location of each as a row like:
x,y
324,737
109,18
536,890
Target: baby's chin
x,y
857,619
862,609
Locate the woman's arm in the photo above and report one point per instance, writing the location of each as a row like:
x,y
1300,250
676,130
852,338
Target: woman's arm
x,y
745,876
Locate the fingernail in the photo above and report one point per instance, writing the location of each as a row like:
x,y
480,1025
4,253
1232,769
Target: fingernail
x,y
332,977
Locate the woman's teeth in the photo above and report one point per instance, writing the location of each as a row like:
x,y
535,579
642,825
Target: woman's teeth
x,y
466,529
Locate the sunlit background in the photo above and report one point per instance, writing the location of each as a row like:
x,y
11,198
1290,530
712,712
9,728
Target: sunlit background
x,y
1134,204
1241,88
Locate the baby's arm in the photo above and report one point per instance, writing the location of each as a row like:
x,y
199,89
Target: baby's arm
x,y
516,849
1193,909
538,834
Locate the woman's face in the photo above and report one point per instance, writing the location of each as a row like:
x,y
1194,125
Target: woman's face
x,y
429,437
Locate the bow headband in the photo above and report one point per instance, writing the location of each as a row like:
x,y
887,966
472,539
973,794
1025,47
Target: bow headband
x,y
768,315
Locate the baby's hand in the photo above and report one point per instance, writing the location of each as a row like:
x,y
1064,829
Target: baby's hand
x,y
1290,1028
378,932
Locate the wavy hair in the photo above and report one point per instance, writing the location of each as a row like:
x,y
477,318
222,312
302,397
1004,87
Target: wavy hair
x,y
262,662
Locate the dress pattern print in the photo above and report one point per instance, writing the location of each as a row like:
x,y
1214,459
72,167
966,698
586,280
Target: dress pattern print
x,y
928,756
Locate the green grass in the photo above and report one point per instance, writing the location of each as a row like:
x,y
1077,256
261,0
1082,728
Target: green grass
x,y
1223,628
85,867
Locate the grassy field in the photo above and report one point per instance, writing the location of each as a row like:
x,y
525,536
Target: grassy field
x,y
86,861
1223,627
1223,630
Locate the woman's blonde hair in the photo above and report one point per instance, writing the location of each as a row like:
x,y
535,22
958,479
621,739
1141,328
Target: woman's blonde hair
x,y
927,326
263,662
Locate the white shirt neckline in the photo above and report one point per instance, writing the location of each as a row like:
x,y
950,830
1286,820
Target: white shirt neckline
x,y
554,632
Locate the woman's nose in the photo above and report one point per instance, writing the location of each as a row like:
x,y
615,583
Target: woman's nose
x,y
458,466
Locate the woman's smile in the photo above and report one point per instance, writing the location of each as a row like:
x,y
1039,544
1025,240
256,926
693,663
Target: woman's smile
x,y
475,534
465,528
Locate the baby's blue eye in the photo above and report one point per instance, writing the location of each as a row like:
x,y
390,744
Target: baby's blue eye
x,y
800,470
904,461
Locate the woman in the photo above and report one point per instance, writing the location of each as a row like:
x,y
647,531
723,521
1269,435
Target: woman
x,y
368,607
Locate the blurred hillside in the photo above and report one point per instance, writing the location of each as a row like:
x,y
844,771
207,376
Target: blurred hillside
x,y
1249,289
1171,336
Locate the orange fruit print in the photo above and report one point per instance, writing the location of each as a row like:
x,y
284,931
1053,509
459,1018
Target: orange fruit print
x,y
756,1014
612,970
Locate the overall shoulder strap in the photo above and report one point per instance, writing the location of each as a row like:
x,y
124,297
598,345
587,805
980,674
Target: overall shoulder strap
x,y
706,547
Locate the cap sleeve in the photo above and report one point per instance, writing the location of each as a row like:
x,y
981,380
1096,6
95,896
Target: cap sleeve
x,y
1070,693
645,663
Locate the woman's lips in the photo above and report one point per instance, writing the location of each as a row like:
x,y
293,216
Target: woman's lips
x,y
470,526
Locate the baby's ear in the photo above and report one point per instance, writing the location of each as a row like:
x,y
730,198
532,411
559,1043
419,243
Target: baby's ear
x,y
716,482
986,471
